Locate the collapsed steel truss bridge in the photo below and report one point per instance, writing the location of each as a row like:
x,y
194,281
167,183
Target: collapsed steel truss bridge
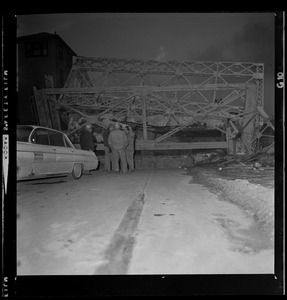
x,y
226,96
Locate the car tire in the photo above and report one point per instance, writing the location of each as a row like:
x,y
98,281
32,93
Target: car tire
x,y
77,171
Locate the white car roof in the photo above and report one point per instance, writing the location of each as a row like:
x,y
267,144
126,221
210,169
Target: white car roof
x,y
41,127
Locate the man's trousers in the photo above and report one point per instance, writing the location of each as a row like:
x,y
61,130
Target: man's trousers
x,y
130,159
119,155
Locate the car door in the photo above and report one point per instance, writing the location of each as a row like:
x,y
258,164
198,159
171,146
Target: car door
x,y
44,154
64,152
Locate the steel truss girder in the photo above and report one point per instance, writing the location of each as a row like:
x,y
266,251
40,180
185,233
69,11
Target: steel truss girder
x,y
75,97
144,89
156,103
177,68
171,90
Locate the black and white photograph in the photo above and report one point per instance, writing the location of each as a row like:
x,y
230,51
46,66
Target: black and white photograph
x,y
144,149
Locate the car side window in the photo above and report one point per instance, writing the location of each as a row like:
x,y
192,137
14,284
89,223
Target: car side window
x,y
56,139
40,136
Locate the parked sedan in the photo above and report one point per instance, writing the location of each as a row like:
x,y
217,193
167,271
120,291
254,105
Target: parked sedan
x,y
43,152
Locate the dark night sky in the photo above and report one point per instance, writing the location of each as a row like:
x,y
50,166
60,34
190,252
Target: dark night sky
x,y
246,37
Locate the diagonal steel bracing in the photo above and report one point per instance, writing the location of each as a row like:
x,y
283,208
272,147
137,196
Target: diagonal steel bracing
x,y
162,93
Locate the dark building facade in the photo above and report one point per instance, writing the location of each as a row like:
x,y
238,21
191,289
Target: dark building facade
x,y
39,55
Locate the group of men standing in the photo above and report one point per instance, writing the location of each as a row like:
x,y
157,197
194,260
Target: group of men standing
x,y
118,146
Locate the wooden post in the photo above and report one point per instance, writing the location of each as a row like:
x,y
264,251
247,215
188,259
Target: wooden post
x,y
216,76
144,117
52,107
229,140
249,120
42,108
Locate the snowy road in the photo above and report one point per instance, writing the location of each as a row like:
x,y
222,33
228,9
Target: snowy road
x,y
147,222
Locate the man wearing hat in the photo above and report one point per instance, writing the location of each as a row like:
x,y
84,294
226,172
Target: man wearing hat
x,y
130,149
118,142
107,148
87,138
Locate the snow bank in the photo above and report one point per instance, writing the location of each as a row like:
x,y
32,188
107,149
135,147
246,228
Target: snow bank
x,y
256,199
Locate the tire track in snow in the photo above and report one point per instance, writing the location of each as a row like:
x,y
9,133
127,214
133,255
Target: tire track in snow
x,y
119,252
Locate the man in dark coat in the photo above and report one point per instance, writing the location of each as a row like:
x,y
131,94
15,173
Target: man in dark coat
x,y
87,138
107,148
130,149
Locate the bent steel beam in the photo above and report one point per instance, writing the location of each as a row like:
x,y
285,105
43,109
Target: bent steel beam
x,y
163,93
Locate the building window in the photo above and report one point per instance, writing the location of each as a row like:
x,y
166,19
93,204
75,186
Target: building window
x,y
36,48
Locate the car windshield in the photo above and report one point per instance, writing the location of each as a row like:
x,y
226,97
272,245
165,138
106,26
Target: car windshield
x,y
23,133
